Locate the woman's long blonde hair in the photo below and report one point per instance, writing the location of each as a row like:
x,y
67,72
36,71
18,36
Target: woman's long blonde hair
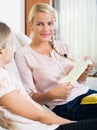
x,y
41,7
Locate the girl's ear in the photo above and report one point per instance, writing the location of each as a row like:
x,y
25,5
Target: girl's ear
x,y
0,51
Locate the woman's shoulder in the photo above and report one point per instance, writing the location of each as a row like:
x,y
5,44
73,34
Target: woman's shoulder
x,y
23,49
63,47
61,43
21,52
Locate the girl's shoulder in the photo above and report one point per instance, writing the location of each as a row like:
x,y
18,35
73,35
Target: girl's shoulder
x,y
6,83
3,73
5,76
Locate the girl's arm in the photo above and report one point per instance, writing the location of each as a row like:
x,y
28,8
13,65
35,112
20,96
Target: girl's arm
x,y
15,103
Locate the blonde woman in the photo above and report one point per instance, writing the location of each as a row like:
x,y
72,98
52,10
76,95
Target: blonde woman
x,y
44,62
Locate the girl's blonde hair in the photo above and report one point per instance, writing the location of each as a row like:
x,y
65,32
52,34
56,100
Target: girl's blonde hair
x,y
4,33
41,7
5,123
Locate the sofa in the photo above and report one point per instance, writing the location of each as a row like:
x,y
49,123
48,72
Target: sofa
x,y
20,40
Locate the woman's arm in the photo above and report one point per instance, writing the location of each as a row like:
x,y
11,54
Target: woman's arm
x,y
85,74
20,106
61,91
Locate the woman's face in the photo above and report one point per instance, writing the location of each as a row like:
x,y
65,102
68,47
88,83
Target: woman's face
x,y
43,26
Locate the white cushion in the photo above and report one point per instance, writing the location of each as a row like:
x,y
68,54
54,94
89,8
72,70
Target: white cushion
x,y
20,39
13,69
16,43
2,128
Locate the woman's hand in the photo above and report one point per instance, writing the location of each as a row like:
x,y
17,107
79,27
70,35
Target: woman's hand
x,y
88,70
62,91
90,67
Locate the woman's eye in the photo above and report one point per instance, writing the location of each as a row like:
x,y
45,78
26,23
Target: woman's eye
x,y
40,24
51,23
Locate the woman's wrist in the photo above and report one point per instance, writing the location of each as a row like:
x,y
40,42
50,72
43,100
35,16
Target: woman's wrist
x,y
82,81
52,94
86,72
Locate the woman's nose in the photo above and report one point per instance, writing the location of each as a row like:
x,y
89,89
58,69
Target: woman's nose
x,y
45,27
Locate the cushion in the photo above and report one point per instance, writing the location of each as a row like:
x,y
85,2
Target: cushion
x,y
13,69
2,128
16,43
20,39
91,99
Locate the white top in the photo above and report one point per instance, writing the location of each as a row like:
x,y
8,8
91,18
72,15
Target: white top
x,y
40,73
9,83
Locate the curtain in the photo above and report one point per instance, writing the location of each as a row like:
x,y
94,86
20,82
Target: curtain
x,y
77,26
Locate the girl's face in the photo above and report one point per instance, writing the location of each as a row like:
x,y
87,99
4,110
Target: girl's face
x,y
8,52
43,26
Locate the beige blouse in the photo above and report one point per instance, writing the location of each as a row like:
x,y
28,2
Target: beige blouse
x,y
40,73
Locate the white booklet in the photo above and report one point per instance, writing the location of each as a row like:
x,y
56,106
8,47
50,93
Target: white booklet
x,y
75,73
